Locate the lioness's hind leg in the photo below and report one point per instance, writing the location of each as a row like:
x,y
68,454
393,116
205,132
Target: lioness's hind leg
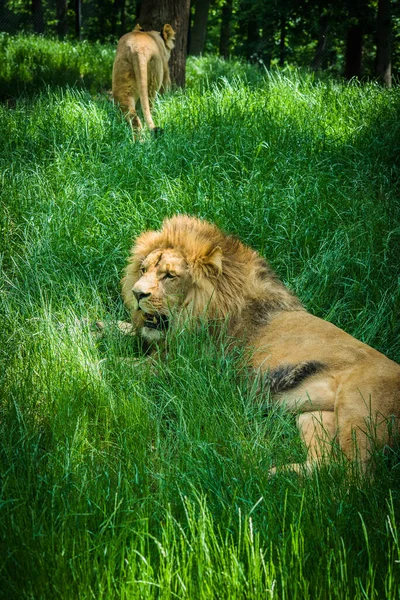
x,y
127,104
132,116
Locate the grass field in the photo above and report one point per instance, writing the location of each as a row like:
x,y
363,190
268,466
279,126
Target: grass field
x,y
124,480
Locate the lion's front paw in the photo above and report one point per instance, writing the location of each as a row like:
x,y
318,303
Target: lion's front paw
x,y
272,472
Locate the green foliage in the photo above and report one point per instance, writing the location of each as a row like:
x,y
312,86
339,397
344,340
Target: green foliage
x,y
100,19
287,32
123,477
303,34
32,62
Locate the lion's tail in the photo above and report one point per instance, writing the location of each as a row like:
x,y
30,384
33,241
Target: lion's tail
x,y
141,76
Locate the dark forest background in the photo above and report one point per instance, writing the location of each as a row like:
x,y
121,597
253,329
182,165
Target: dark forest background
x,y
351,38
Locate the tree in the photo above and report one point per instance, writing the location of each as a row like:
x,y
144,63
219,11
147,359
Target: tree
x,y
154,14
62,18
37,15
354,44
324,21
384,43
225,28
78,19
249,18
199,28
360,18
282,40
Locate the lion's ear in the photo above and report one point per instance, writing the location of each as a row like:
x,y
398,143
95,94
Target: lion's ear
x,y
168,35
213,260
138,27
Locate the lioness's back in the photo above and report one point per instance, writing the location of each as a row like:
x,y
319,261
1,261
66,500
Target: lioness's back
x,y
137,41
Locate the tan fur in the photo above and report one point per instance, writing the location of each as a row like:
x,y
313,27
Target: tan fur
x,y
140,70
340,389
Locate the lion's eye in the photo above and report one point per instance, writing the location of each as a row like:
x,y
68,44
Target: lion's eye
x,y
142,270
169,275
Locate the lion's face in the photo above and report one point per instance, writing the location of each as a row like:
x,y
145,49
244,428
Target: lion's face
x,y
162,287
177,274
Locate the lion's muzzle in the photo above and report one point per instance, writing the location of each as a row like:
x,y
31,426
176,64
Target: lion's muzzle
x,y
153,318
156,321
140,295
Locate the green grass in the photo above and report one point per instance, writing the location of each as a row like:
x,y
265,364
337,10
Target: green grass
x,y
31,62
126,479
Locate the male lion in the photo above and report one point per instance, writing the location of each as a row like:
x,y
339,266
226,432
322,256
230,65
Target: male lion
x,y
340,389
140,70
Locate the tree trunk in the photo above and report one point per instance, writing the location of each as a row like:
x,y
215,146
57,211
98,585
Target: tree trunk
x,y
321,47
137,9
225,29
154,14
114,17
123,17
384,43
252,35
282,42
37,16
354,51
119,11
199,29
62,22
78,19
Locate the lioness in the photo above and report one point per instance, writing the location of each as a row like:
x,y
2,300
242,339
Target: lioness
x,y
340,389
140,70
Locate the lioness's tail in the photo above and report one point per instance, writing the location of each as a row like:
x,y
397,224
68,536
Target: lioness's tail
x,y
140,66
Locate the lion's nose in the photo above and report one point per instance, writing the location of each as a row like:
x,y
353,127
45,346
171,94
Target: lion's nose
x,y
140,295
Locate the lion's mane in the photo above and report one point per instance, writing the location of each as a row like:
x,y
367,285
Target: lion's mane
x,y
228,277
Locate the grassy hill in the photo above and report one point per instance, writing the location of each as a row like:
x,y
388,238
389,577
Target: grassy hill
x,y
122,479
